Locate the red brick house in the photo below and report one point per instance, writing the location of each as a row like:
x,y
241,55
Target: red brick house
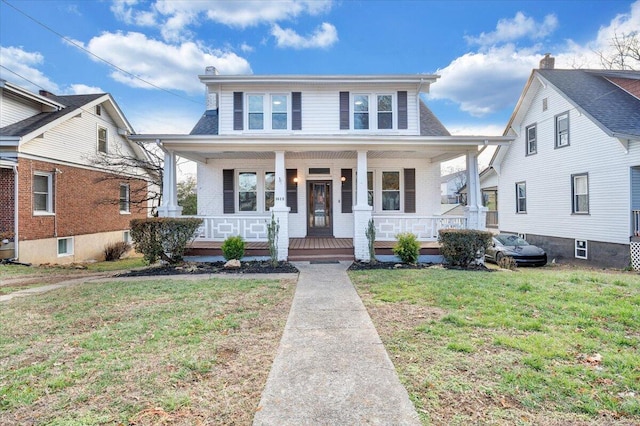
x,y
56,204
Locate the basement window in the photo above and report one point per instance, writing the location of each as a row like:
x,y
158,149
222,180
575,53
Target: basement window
x,y
65,246
581,249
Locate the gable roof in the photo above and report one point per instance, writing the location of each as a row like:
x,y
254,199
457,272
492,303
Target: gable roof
x,y
615,110
207,125
429,123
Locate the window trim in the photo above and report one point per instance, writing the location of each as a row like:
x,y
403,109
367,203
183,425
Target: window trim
x,y
529,141
126,236
585,248
574,195
265,191
49,204
70,246
126,200
399,191
391,112
267,111
518,198
376,190
373,111
261,192
106,140
557,131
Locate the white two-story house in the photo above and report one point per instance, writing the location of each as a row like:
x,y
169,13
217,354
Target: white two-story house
x,y
324,154
571,179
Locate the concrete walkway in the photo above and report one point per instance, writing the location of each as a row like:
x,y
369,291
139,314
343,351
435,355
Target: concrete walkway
x,y
331,367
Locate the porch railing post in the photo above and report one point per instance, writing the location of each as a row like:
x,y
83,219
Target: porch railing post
x,y
361,211
475,212
280,210
169,207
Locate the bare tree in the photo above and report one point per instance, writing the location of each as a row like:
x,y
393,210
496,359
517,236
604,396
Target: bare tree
x,y
624,53
144,163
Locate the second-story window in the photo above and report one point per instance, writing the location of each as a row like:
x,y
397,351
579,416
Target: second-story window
x,y
361,111
385,112
532,144
279,112
256,112
102,139
562,130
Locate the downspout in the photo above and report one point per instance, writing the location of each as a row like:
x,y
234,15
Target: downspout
x,y
15,212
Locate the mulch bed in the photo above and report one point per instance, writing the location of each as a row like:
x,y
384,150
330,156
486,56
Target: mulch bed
x,y
366,266
191,268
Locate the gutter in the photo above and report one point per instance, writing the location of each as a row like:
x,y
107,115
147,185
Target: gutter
x,y
16,216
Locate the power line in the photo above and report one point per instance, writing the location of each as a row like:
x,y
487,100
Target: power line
x,y
73,43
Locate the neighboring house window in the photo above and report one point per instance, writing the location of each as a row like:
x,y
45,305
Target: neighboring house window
x,y
102,139
370,188
126,237
545,104
361,111
385,112
581,249
65,246
124,198
269,190
247,192
391,191
279,112
42,192
256,112
562,130
532,143
98,110
521,197
580,193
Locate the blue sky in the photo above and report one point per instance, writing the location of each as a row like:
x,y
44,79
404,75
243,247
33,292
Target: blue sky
x,y
483,50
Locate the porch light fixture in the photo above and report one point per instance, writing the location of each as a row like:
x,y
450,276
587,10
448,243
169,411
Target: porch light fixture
x,y
343,179
295,179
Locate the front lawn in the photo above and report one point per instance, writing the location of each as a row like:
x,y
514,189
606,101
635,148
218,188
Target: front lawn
x,y
193,351
536,346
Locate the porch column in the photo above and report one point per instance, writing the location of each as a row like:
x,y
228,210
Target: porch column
x,y
169,206
474,211
361,211
280,210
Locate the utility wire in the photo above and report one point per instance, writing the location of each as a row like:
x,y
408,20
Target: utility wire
x,y
73,43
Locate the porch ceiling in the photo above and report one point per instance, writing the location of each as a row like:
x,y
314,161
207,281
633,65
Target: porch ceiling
x,y
317,155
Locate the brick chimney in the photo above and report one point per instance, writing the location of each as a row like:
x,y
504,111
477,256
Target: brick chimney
x,y
46,94
548,62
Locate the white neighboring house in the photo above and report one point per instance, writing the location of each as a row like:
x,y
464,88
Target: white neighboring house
x,y
570,182
324,154
489,191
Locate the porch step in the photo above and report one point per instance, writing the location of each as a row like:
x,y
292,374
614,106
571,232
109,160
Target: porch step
x,y
320,257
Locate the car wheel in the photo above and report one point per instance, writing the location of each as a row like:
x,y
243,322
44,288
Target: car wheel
x,y
499,257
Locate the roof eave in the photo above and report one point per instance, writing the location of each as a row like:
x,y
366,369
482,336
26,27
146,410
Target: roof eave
x,y
319,79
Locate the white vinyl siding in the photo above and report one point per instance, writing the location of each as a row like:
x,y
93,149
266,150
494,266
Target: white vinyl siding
x,y
15,109
549,200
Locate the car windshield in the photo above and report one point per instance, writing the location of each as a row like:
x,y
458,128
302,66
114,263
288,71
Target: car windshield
x,y
511,240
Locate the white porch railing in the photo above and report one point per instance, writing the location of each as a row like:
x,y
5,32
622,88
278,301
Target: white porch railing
x,y
219,228
424,227
635,218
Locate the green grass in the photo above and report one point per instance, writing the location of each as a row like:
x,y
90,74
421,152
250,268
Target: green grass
x,y
524,337
112,353
12,271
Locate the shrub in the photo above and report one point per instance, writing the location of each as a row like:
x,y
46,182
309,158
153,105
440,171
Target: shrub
x,y
233,248
163,238
407,248
273,228
462,247
507,262
114,251
371,238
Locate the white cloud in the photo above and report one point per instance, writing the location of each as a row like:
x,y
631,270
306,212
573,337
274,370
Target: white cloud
x,y
323,37
24,72
482,83
520,26
246,48
175,17
82,89
169,66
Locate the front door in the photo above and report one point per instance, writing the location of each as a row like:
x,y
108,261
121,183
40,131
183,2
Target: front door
x,y
319,215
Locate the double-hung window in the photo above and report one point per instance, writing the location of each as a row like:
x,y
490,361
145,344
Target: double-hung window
x,y
256,112
279,110
247,192
385,112
532,140
580,193
102,139
521,197
42,193
562,130
269,190
361,112
391,191
124,198
370,188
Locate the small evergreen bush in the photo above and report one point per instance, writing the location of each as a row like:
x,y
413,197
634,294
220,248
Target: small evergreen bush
x,y
407,248
463,247
371,238
163,238
233,248
114,251
273,228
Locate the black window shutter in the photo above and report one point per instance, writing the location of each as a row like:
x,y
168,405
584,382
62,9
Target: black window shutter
x,y
402,110
296,110
409,190
227,191
347,190
292,190
344,110
238,111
